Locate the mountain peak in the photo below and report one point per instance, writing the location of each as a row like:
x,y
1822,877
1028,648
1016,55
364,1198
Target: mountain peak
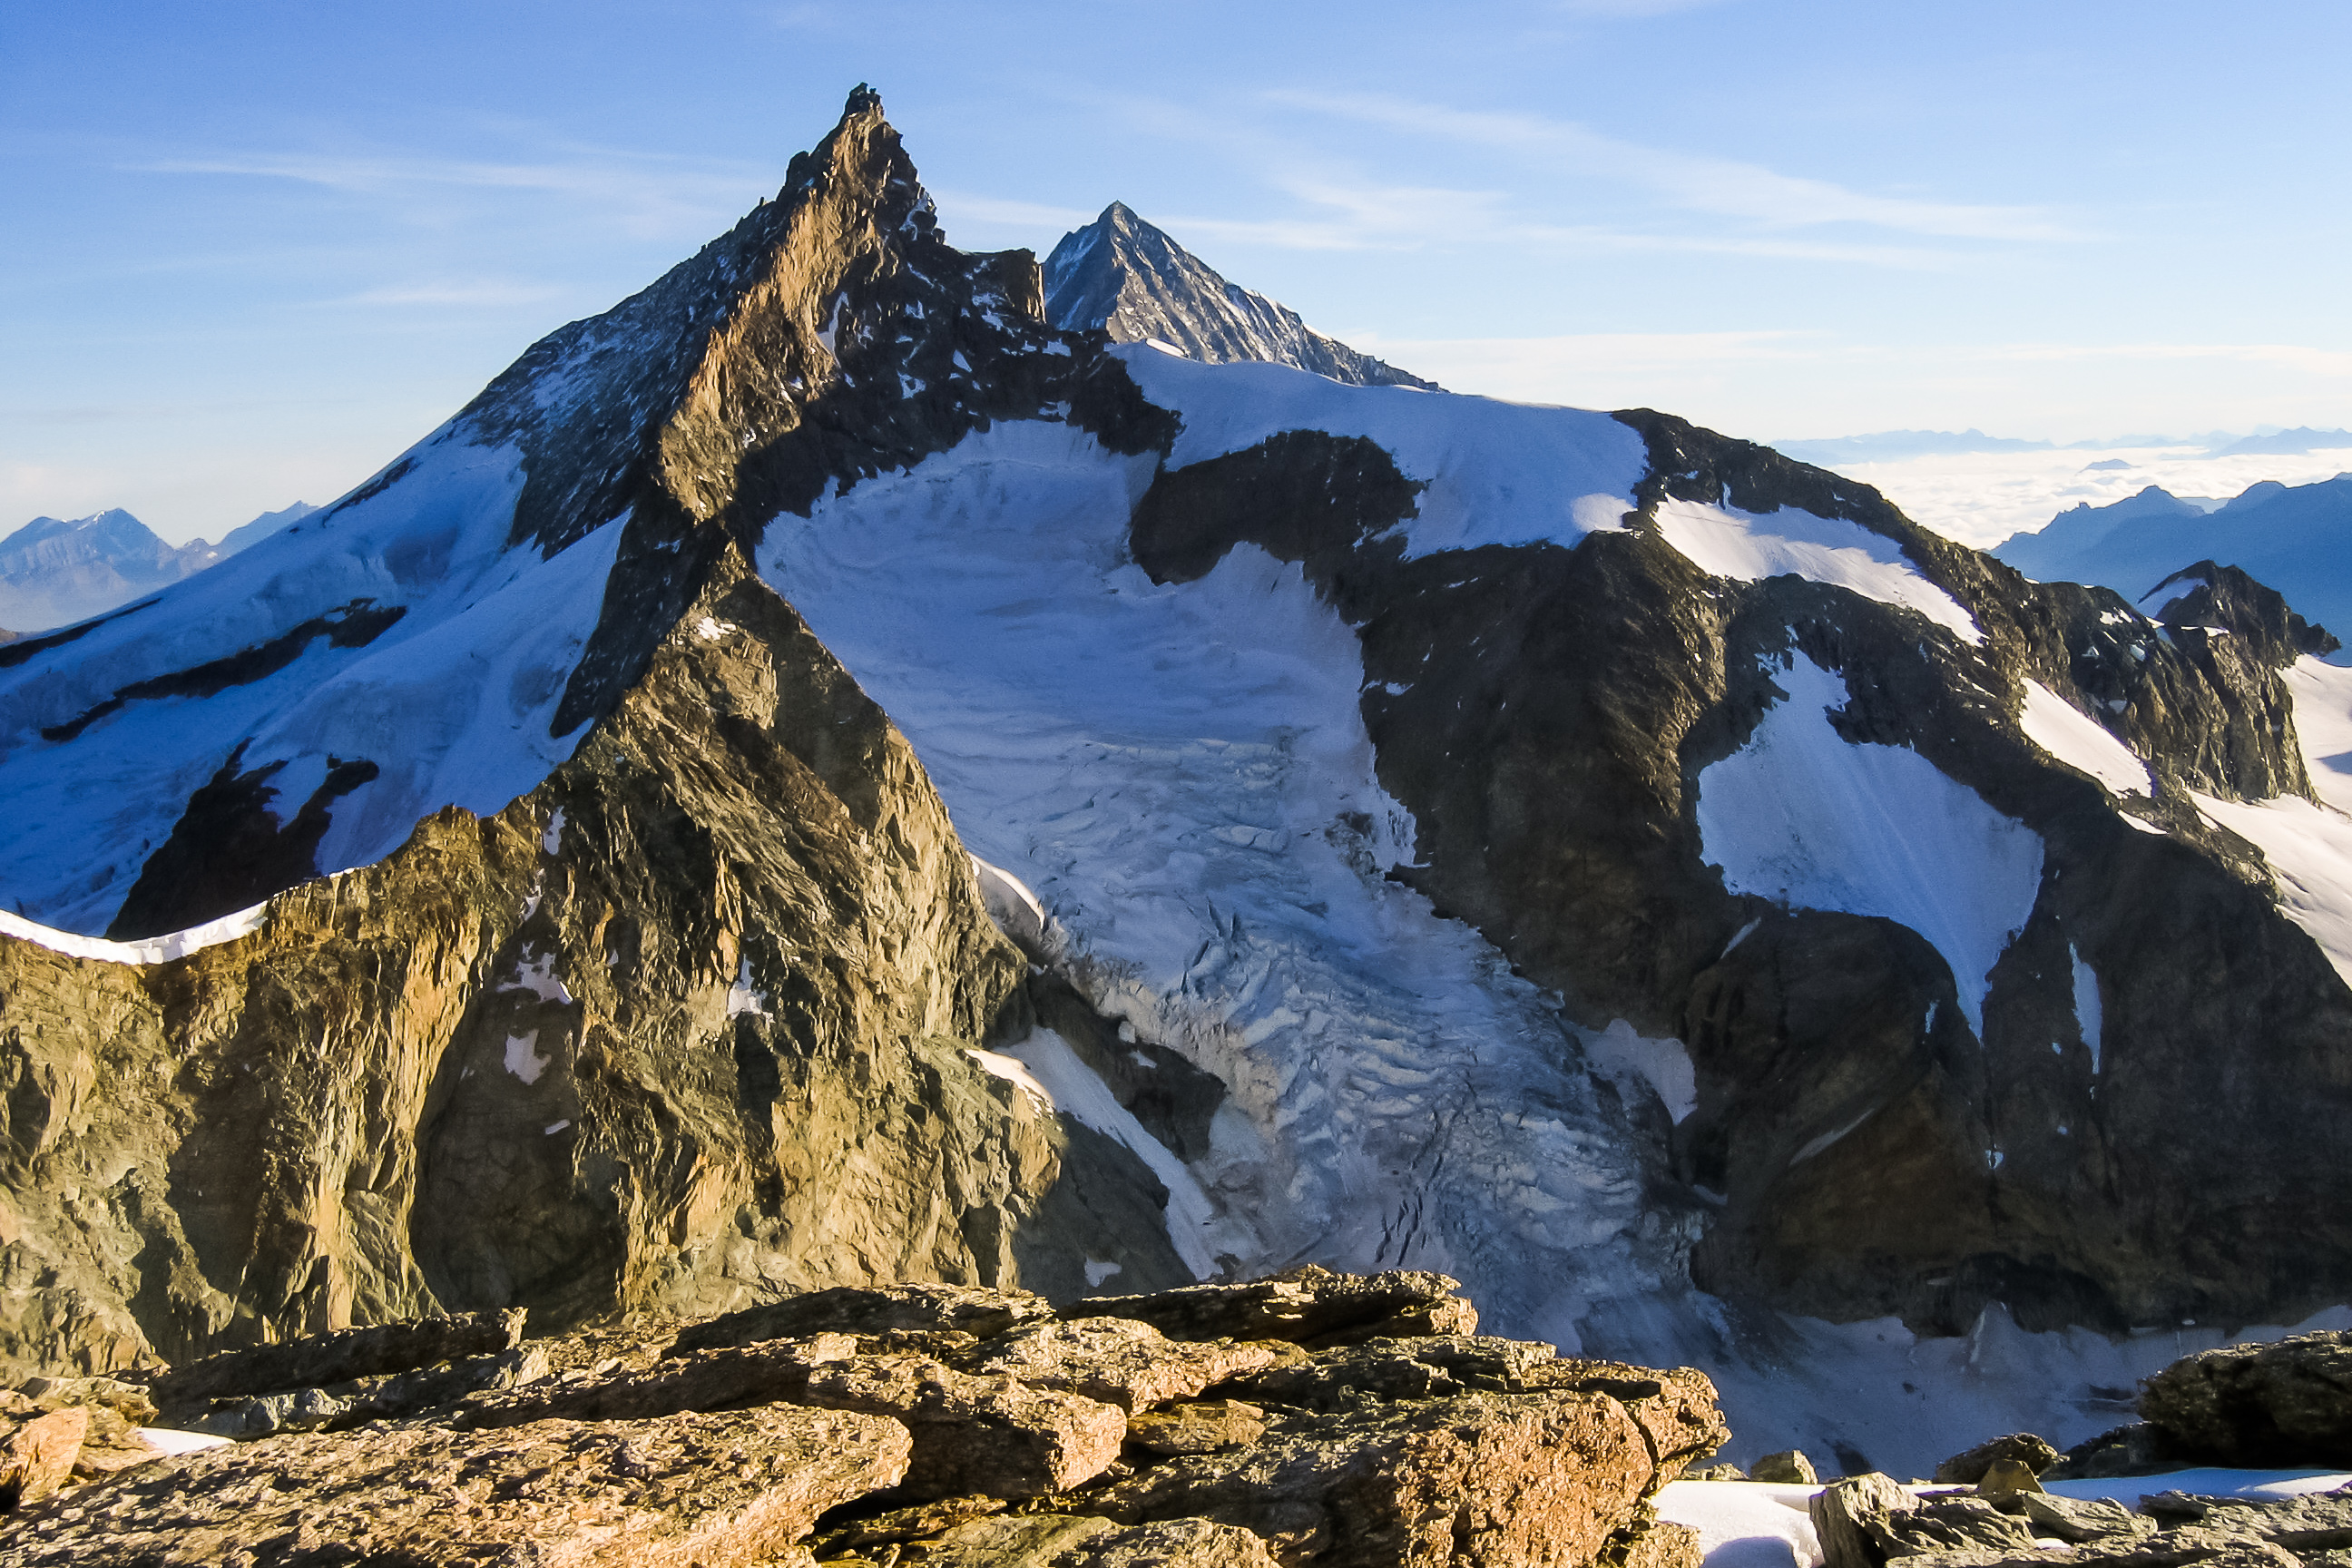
x,y
1126,276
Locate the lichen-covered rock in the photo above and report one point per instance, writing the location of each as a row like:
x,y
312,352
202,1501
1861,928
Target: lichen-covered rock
x,y
1196,1426
978,1310
1968,1469
713,1491
1307,1306
2077,1521
1130,1364
985,1434
2285,1402
774,1370
1172,1543
1479,1481
1652,1542
1007,1541
311,1360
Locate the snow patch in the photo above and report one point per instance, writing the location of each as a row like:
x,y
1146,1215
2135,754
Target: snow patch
x,y
172,1441
2309,849
743,997
1748,547
1014,1072
1803,816
1011,904
710,630
537,976
2079,740
1663,1065
552,841
1826,1138
523,1060
1097,1271
2088,1014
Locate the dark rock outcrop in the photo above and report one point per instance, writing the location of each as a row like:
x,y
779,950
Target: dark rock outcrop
x,y
2285,1402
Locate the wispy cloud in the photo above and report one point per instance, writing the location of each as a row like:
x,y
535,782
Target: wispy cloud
x,y
1721,188
484,292
645,195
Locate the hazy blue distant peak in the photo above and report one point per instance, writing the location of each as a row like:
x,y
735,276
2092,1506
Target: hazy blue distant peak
x,y
2287,442
1892,445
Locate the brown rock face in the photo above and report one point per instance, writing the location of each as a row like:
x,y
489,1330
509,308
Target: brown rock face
x,y
1479,1479
711,1491
2285,1402
686,1027
38,1455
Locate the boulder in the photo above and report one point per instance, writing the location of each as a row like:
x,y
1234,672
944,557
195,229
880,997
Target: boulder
x,y
2286,1403
2141,1448
38,1455
1850,1518
975,1310
1967,1469
1788,1468
1862,1520
1478,1480
339,1356
1652,1542
709,1491
1309,1306
1675,1410
1130,1364
2007,1479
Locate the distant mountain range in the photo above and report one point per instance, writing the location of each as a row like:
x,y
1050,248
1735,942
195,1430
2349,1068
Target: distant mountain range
x,y
2295,538
1895,446
1122,276
54,572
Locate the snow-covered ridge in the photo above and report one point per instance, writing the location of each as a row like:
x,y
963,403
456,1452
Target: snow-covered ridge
x,y
452,700
1494,472
2079,740
153,950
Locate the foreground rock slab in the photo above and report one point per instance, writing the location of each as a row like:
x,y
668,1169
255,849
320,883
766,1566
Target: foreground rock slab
x,y
1307,1306
1476,1481
316,1359
710,1491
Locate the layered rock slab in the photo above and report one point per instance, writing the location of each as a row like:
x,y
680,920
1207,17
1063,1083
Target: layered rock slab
x,y
713,1491
2288,1402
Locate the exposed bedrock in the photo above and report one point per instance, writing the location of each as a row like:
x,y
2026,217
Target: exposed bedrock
x,y
686,1026
2096,1128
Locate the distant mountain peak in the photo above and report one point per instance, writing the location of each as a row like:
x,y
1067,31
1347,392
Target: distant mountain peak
x,y
1127,277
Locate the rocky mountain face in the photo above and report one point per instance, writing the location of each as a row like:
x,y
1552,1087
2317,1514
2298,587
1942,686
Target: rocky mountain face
x,y
1120,275
1614,864
54,572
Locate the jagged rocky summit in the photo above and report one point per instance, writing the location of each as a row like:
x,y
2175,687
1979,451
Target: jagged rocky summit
x,y
1123,276
819,777
1311,1418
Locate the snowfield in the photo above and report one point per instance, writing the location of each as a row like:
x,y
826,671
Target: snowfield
x,y
1803,817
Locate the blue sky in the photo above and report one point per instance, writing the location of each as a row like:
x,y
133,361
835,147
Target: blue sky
x,y
255,249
